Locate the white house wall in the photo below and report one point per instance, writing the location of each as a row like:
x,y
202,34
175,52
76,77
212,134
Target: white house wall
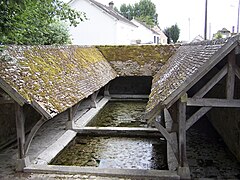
x,y
125,33
144,34
98,29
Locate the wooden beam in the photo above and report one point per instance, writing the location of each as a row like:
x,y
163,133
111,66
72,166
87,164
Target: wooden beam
x,y
20,121
182,131
70,114
211,102
231,75
167,136
106,90
204,90
196,116
237,72
168,120
217,57
12,93
41,111
32,133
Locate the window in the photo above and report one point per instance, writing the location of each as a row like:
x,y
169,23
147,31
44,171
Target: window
x,y
154,39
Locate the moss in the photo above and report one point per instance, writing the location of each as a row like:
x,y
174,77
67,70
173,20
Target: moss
x,y
140,54
51,75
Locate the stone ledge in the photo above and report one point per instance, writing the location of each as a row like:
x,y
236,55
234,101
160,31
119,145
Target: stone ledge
x,y
134,173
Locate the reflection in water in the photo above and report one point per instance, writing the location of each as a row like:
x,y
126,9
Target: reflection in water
x,y
115,152
121,114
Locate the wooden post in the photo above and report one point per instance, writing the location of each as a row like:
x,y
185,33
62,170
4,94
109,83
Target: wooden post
x,y
22,161
106,90
183,169
69,124
231,75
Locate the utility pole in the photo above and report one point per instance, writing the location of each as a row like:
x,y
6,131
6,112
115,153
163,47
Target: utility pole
x,y
238,17
205,27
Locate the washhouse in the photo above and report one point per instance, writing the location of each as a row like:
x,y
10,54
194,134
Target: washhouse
x,y
121,110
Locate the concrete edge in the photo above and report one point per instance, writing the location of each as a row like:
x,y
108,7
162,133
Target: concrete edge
x,y
134,173
129,96
119,131
52,151
83,120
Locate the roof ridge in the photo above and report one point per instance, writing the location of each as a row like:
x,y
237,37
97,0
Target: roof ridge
x,y
213,42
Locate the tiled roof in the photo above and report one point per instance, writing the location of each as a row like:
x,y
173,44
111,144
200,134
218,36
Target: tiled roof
x,y
112,12
187,64
54,77
143,60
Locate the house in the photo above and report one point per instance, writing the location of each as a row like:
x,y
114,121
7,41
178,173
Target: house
x,y
162,37
144,34
224,33
102,26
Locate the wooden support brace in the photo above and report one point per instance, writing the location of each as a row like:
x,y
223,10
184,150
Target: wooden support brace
x,y
32,133
167,136
69,123
204,90
231,75
196,116
106,90
93,99
237,72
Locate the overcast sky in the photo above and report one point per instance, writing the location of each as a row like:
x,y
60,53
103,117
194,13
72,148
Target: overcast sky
x,y
221,13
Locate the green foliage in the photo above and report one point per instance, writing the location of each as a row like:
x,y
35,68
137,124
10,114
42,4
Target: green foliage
x,y
218,35
31,21
145,11
172,33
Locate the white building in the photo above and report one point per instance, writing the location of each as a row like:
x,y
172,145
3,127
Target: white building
x,y
103,26
144,34
162,37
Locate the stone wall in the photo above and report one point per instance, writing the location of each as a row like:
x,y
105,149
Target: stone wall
x,y
131,85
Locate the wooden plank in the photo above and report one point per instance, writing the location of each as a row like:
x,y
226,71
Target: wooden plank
x,y
20,120
42,111
196,116
211,102
167,136
12,93
182,132
231,75
32,133
204,90
218,56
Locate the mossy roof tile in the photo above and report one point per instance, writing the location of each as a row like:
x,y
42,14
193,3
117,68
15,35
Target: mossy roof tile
x,y
55,77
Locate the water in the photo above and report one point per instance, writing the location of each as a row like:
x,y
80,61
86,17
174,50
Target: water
x,y
121,114
115,152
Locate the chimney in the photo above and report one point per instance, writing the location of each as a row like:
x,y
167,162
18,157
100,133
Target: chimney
x,y
111,4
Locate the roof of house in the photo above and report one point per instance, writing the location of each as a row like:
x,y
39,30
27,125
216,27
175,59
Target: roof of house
x,y
53,78
146,26
110,11
187,66
144,60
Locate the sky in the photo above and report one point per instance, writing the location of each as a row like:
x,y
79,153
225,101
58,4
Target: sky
x,y
189,15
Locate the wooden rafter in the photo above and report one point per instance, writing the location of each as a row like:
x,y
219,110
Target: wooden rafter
x,y
204,90
231,75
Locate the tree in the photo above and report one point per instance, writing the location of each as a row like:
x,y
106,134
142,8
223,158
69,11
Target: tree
x,y
144,11
32,21
172,33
